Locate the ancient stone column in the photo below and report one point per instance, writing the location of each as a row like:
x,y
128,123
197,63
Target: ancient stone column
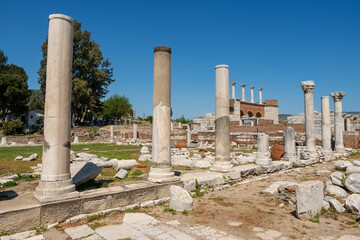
x,y
112,139
222,121
308,88
188,135
263,154
347,124
161,161
325,125
56,183
338,121
233,90
243,92
260,95
135,133
4,141
252,93
76,140
290,147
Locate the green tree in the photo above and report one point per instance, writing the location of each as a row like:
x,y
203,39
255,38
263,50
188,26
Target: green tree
x,y
116,106
14,91
182,119
92,74
35,100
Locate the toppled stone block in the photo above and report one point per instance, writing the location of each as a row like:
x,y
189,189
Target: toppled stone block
x,y
309,197
180,199
336,178
336,205
352,169
352,183
144,150
273,188
202,164
352,203
356,163
342,165
337,191
125,164
181,160
190,185
122,173
19,158
87,156
83,172
145,157
32,157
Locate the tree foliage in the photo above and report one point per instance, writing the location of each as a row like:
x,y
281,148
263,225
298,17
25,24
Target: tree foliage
x,y
35,100
116,106
92,74
182,119
14,91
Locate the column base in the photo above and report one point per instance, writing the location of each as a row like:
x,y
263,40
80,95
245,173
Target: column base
x,y
112,141
263,161
54,191
161,175
222,167
289,157
340,149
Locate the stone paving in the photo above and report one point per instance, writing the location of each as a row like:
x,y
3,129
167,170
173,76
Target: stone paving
x,y
140,226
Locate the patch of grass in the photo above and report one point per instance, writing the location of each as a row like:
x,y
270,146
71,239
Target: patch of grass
x,y
8,184
103,147
93,218
351,223
170,210
185,212
96,225
316,219
134,209
197,191
137,172
220,199
58,226
39,230
4,234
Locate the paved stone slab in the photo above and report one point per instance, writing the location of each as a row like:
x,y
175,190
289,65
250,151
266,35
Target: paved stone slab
x,y
79,232
115,232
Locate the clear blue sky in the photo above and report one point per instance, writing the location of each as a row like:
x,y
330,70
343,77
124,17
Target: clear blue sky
x,y
270,44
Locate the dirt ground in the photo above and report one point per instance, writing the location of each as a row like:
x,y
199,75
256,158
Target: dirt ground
x,y
244,203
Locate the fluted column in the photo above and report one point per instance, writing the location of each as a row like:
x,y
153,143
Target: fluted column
x,y
161,161
56,183
260,95
338,121
252,93
325,125
243,92
222,121
233,89
308,88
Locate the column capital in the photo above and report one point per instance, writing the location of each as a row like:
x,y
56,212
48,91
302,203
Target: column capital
x,y
252,87
308,86
162,49
243,85
233,83
260,89
337,96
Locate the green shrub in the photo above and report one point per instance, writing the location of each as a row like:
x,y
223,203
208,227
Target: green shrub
x,y
92,131
12,127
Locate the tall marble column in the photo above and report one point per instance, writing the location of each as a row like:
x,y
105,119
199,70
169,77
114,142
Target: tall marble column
x,y
161,160
338,121
135,132
222,121
56,183
233,89
290,148
308,88
112,139
325,125
260,95
252,93
243,92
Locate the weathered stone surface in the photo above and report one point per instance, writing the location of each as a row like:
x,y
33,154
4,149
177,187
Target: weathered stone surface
x,y
180,199
181,160
144,150
202,164
32,157
204,178
326,205
352,203
342,165
83,172
337,178
190,185
352,169
309,197
273,188
336,205
79,232
356,163
349,237
352,183
287,193
122,173
86,156
126,164
145,157
19,158
21,235
337,191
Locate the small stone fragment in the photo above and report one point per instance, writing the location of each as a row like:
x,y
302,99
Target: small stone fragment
x,y
180,199
353,203
122,173
336,205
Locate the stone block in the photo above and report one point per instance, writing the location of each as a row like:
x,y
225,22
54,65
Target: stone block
x,y
336,205
83,172
352,169
202,164
342,165
126,164
352,203
79,232
337,191
352,183
309,198
122,173
180,199
337,178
